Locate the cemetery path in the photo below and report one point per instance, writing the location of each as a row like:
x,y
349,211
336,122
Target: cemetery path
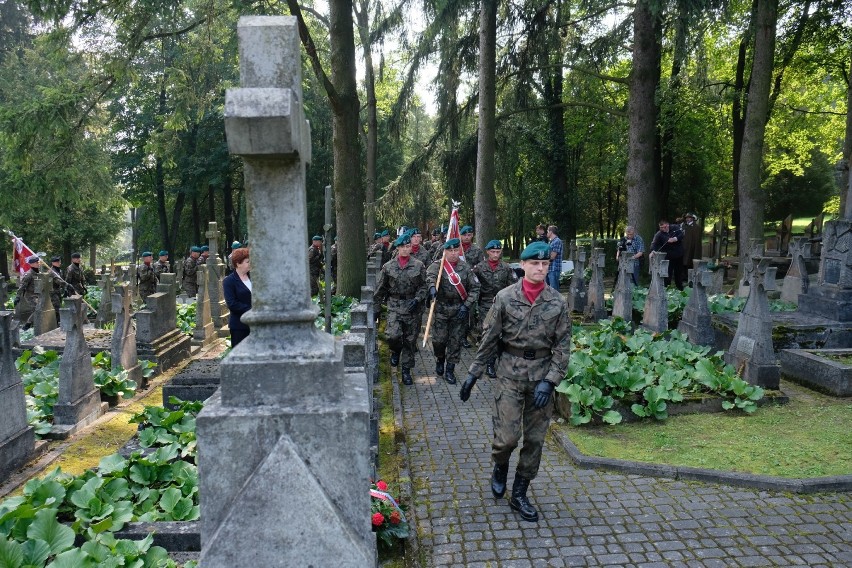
x,y
592,518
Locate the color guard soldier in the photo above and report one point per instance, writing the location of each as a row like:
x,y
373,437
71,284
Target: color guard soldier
x,y
494,275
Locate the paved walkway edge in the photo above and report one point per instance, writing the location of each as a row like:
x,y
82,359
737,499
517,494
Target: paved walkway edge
x,y
406,489
837,483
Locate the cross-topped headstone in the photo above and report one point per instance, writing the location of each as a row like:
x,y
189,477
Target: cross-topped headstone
x,y
105,310
697,322
622,297
796,280
123,345
756,246
577,292
204,333
215,272
4,292
656,314
595,307
44,318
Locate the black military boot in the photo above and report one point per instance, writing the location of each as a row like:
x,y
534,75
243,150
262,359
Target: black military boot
x,y
439,367
450,376
490,371
519,501
406,376
394,358
498,480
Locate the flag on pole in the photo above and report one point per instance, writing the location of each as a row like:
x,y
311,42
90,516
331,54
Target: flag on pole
x,y
20,254
453,229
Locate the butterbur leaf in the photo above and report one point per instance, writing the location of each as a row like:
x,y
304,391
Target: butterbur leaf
x,y
35,551
74,558
112,464
182,509
611,417
11,553
727,404
170,498
45,527
638,410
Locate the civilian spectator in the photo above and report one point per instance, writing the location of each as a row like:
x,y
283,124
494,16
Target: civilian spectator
x,y
237,289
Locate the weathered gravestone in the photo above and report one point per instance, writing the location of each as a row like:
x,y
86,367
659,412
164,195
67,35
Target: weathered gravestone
x,y
204,333
656,312
157,337
757,250
751,350
622,297
215,294
105,310
577,292
595,309
79,402
44,318
17,439
4,292
283,446
123,352
371,341
831,298
697,321
796,280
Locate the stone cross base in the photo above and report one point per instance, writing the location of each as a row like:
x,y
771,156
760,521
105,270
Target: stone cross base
x,y
792,287
204,336
69,418
828,302
622,303
17,450
767,376
698,327
224,331
269,458
166,351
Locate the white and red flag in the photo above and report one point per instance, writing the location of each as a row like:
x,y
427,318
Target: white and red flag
x,y
20,254
453,229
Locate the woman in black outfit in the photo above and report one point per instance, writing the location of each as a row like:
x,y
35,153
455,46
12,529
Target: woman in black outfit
x,y
237,287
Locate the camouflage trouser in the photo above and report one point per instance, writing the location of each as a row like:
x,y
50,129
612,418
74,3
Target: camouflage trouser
x,y
484,307
24,312
145,291
314,284
191,288
513,409
56,300
401,333
448,332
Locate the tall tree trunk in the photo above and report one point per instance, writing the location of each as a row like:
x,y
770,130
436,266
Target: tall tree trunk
x,y
485,199
846,177
739,111
372,121
228,212
180,202
642,192
162,215
196,220
211,205
667,126
752,197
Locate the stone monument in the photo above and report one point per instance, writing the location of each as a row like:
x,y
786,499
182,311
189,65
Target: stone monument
x,y
204,333
44,318
215,273
751,350
595,309
656,315
796,280
157,337
284,444
697,321
79,402
105,310
622,297
17,439
123,346
577,290
4,292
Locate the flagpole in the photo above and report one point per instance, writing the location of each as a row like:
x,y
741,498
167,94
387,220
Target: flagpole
x,y
434,301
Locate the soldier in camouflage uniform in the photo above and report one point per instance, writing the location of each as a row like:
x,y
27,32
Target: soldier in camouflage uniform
x,y
234,246
401,284
27,298
147,276
386,247
205,254
189,282
453,305
419,251
530,326
472,255
494,275
74,275
162,265
315,263
58,287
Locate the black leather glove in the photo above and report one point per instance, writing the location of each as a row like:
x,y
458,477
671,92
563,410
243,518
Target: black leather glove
x,y
432,292
466,387
543,391
462,313
412,306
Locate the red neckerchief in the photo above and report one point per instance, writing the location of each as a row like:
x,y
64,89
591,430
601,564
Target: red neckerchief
x,y
466,247
403,261
531,291
415,249
494,264
454,279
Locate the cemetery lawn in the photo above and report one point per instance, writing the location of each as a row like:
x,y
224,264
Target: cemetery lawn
x,y
808,437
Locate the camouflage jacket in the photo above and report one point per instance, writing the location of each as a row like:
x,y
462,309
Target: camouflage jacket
x,y
74,277
190,267
161,267
315,261
58,284
422,255
27,290
447,293
492,281
514,323
395,285
147,277
473,255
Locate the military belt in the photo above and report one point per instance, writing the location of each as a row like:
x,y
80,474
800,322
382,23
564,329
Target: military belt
x,y
529,354
400,297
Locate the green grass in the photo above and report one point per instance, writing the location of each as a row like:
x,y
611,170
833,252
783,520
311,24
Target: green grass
x,y
809,437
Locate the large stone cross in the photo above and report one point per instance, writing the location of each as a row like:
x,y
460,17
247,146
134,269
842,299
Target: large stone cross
x,y
212,235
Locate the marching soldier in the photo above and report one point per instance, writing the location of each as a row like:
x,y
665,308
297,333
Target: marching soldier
x,y
27,298
530,326
147,276
74,275
190,268
315,263
402,285
58,287
458,292
419,251
386,248
205,254
162,265
494,275
472,254
234,246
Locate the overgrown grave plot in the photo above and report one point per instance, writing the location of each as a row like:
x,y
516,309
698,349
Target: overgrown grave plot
x,y
67,520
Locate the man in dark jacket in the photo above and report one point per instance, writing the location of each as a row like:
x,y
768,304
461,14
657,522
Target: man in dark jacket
x,y
669,239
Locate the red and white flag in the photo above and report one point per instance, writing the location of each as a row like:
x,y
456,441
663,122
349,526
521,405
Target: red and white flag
x,y
453,229
20,254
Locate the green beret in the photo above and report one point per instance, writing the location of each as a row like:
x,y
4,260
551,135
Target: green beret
x,y
76,255
493,244
403,239
414,231
164,253
147,253
235,245
56,259
32,259
195,249
436,232
466,229
205,248
385,233
452,244
316,238
377,235
536,251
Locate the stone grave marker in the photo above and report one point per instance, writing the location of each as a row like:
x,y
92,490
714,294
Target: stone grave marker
x,y
622,298
831,297
215,293
372,346
757,251
17,439
595,307
751,350
697,321
123,346
204,333
79,402
577,291
656,314
105,310
44,318
288,430
157,337
4,292
796,280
